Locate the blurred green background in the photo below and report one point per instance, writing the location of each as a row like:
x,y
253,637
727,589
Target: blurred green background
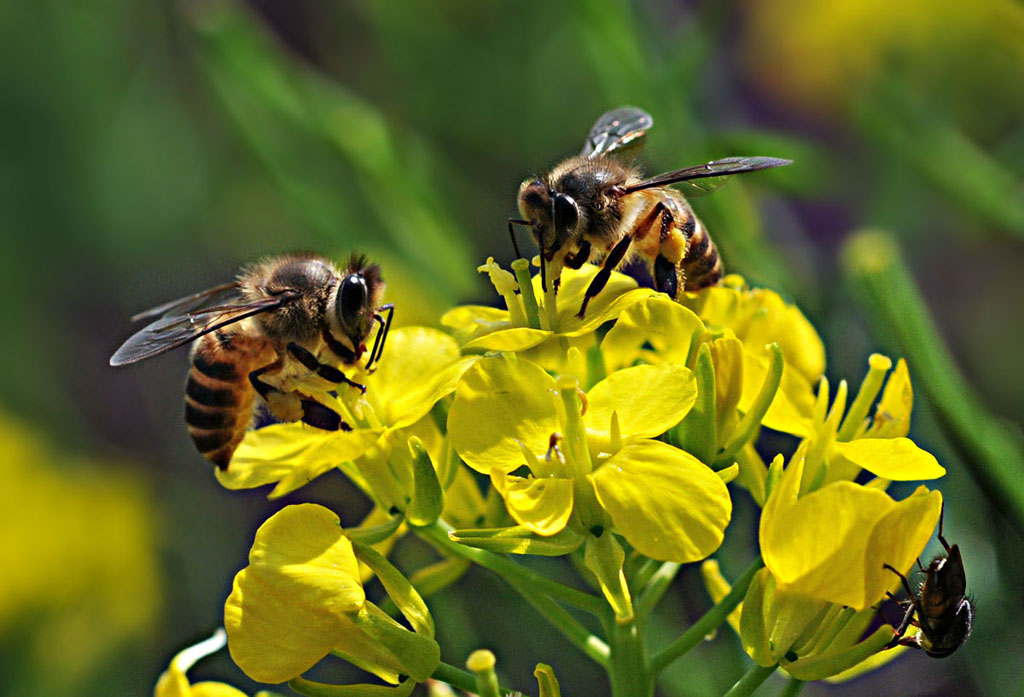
x,y
150,149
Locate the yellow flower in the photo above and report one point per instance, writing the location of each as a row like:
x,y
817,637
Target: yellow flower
x,y
809,639
423,367
174,683
301,598
831,544
596,470
480,328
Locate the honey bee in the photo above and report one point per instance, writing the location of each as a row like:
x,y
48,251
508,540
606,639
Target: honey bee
x,y
282,322
597,206
944,613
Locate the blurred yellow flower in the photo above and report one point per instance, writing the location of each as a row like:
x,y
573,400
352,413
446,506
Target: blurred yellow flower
x,y
79,560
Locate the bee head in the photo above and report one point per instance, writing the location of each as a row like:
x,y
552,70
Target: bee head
x,y
553,215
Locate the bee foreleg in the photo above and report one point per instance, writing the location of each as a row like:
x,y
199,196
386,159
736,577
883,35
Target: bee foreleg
x,y
512,233
577,260
382,333
613,259
327,372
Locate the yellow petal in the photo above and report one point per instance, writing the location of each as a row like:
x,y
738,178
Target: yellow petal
x,y
540,505
513,339
727,357
665,502
793,407
601,310
649,400
670,328
892,416
291,454
173,683
467,322
831,544
289,607
898,459
424,369
215,689
759,317
499,403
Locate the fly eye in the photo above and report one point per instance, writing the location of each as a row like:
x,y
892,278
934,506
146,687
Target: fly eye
x,y
566,213
352,299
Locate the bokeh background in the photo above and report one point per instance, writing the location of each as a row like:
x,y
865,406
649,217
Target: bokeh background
x,y
147,150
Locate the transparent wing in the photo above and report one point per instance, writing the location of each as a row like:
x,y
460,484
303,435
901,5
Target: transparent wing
x,y
189,302
177,327
621,131
712,174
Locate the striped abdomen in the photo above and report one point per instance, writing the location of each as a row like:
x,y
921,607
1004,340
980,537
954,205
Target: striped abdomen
x,y
218,395
701,266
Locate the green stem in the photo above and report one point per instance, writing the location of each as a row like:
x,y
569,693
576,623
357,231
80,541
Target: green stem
x,y
989,448
521,268
438,533
711,619
751,680
792,688
462,679
656,587
590,644
628,670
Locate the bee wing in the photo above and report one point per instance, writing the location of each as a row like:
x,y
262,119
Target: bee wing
x,y
189,302
621,131
177,328
713,174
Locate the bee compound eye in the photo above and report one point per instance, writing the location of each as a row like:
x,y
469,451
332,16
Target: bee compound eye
x,y
352,298
566,213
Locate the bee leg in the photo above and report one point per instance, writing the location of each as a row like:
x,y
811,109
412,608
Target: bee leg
x,y
666,277
613,259
908,617
898,632
382,334
906,583
942,514
577,260
512,233
327,372
319,416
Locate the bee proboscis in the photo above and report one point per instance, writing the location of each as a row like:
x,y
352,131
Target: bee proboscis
x,y
285,322
940,608
597,206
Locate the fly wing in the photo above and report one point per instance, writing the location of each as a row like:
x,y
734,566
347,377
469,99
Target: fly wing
x,y
712,175
620,131
179,327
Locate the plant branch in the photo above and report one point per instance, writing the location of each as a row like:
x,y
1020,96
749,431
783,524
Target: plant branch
x,y
711,619
438,534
